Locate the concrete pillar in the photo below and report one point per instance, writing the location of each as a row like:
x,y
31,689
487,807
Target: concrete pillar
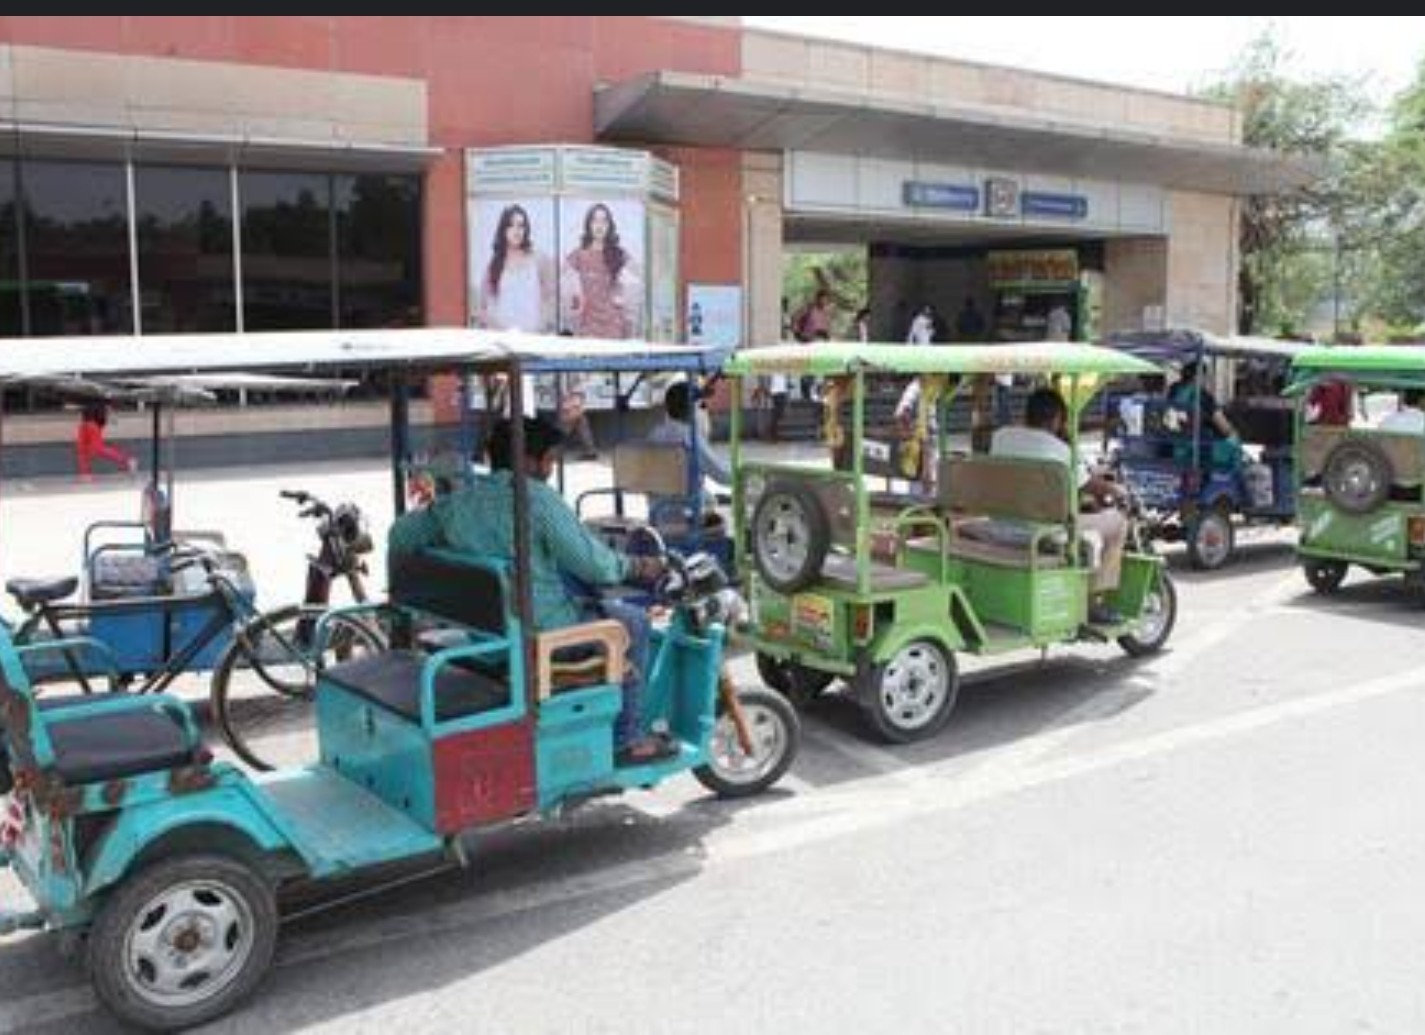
x,y
762,244
1202,261
1135,277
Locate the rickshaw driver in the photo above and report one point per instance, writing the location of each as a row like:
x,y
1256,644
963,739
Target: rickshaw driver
x,y
1187,395
1042,437
676,428
478,519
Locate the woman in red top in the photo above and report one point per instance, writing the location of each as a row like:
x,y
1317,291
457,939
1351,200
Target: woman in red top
x,y
89,443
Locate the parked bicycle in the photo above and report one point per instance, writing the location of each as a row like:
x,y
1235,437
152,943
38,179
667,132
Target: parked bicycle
x,y
263,685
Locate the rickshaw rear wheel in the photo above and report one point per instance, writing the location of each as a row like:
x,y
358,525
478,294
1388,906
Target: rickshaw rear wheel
x,y
799,684
182,941
790,536
1210,539
776,734
1325,577
910,696
1160,614
1357,476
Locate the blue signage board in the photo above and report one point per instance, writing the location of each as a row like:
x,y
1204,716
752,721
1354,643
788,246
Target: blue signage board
x,y
958,196
1055,206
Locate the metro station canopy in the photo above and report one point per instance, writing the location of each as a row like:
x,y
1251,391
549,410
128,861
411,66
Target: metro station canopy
x,y
715,111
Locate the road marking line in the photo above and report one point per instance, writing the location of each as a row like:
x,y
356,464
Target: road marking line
x,y
869,804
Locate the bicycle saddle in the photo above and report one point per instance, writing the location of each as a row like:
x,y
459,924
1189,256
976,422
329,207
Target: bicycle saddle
x,y
30,593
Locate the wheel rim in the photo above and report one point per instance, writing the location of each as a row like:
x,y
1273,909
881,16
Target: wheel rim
x,y
783,538
188,943
769,741
1154,621
914,686
1355,481
1214,540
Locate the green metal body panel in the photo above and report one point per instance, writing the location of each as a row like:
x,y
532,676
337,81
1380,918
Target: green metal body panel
x,y
1376,540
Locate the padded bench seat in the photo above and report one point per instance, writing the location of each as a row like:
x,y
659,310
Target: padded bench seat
x,y
113,745
392,679
840,570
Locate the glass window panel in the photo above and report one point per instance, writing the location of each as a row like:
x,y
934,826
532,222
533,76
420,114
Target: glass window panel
x,y
11,324
378,222
286,250
77,247
185,239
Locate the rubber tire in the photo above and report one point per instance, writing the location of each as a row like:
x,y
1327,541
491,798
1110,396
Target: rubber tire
x,y
1196,558
818,533
228,663
1136,648
799,684
105,945
1358,450
869,680
787,715
1325,577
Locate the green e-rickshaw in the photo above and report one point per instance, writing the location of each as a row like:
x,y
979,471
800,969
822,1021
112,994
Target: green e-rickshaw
x,y
1360,489
882,590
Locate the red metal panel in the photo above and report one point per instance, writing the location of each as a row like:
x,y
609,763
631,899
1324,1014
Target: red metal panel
x,y
483,776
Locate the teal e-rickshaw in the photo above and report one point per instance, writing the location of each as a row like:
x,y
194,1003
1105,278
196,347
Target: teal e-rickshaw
x,y
125,832
882,590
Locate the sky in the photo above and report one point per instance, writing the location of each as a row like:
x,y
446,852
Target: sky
x,y
1174,53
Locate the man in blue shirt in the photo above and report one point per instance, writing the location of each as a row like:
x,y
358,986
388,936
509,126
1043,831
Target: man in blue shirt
x,y
479,520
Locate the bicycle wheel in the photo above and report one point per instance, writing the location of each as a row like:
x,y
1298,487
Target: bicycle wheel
x,y
263,691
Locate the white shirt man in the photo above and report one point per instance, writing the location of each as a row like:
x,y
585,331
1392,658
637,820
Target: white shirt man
x,y
1041,439
1060,324
922,328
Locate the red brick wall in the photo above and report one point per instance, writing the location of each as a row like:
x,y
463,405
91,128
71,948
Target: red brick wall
x,y
491,80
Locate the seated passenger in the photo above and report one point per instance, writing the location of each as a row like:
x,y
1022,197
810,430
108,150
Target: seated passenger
x,y
1330,403
1409,419
676,428
479,520
1042,438
1219,445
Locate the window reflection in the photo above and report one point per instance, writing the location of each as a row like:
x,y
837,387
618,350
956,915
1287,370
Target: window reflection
x,y
184,226
378,228
286,251
77,248
11,322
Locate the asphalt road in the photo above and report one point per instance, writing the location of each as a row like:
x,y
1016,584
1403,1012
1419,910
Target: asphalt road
x,y
1227,838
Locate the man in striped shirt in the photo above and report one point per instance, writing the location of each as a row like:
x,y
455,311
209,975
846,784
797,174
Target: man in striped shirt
x,y
479,520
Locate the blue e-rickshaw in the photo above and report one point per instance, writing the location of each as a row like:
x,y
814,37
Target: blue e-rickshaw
x,y
123,829
1196,485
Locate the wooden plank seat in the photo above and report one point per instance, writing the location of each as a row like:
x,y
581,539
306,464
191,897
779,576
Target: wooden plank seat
x,y
1006,512
839,569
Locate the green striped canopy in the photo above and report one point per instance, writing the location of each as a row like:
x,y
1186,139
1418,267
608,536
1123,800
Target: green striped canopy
x,y
831,359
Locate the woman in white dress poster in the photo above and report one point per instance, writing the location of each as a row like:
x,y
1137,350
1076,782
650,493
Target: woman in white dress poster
x,y
517,288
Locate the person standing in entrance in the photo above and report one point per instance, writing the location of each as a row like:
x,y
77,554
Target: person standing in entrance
x,y
89,442
813,324
862,324
922,328
1060,325
970,322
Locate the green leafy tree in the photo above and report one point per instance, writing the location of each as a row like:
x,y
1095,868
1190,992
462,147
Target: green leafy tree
x,y
1278,281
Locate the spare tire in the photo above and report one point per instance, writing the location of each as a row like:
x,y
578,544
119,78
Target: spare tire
x,y
1357,476
790,536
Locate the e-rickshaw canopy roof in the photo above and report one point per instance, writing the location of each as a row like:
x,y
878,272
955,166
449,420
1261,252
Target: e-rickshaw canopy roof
x,y
1179,345
1384,365
832,359
336,353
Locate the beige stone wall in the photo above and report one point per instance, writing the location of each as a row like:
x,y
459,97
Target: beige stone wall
x,y
1135,277
1202,261
762,241
48,85
802,61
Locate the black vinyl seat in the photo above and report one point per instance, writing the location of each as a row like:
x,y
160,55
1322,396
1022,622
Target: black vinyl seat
x,y
124,574
392,679
30,593
113,745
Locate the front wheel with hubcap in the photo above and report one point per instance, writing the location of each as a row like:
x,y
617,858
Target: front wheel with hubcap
x,y
1156,620
183,941
1210,540
1324,576
910,696
775,732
